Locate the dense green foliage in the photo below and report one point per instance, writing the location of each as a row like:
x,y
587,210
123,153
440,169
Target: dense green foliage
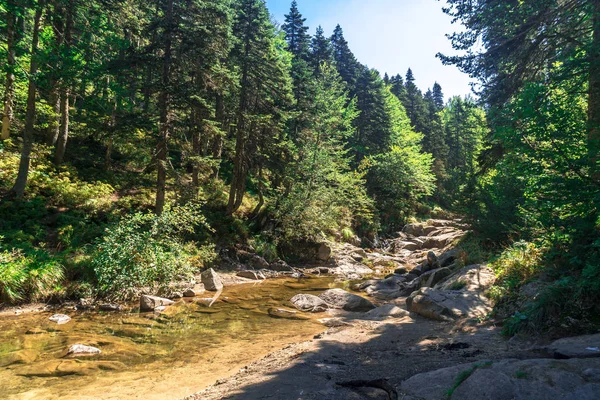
x,y
538,66
133,106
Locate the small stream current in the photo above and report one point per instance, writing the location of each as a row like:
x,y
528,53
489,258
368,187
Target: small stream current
x,y
148,355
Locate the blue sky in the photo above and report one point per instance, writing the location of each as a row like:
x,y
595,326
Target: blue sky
x,y
389,35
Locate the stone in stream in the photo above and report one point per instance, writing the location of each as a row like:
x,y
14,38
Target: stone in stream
x,y
249,274
189,293
60,318
110,307
211,280
83,350
277,312
309,303
339,298
280,266
149,303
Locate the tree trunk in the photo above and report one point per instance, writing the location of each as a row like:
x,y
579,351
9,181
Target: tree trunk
x,y
165,114
217,144
594,95
240,167
58,28
21,181
10,76
65,92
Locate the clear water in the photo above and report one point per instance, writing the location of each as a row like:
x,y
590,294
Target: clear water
x,y
147,355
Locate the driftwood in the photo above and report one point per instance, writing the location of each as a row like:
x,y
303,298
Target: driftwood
x,y
377,383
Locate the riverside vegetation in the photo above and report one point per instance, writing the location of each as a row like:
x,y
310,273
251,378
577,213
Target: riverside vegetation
x,y
145,142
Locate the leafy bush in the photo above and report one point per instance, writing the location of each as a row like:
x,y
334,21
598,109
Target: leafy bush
x,y
146,251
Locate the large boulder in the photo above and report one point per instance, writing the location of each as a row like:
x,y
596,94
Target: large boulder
x,y
258,262
587,346
211,280
448,257
149,303
443,240
538,379
309,303
472,278
447,305
339,298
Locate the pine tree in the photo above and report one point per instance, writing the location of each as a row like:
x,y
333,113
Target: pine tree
x,y
347,65
415,106
438,96
398,89
296,33
320,51
264,88
373,125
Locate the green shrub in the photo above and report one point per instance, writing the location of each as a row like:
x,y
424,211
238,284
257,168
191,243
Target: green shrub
x,y
31,276
146,251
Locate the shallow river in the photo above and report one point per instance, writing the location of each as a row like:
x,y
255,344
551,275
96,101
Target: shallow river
x,y
150,356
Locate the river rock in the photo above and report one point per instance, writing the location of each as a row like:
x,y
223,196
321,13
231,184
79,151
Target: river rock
x,y
109,307
324,252
60,318
211,280
446,305
189,292
448,257
538,379
432,260
277,312
280,266
249,274
386,311
83,350
415,229
339,298
149,303
309,303
587,346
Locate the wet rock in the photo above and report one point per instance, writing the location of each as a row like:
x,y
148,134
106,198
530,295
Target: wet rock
x,y
587,346
386,311
447,305
254,275
277,312
60,318
211,280
190,292
309,303
149,303
324,252
85,303
110,307
339,298
280,266
538,379
83,350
